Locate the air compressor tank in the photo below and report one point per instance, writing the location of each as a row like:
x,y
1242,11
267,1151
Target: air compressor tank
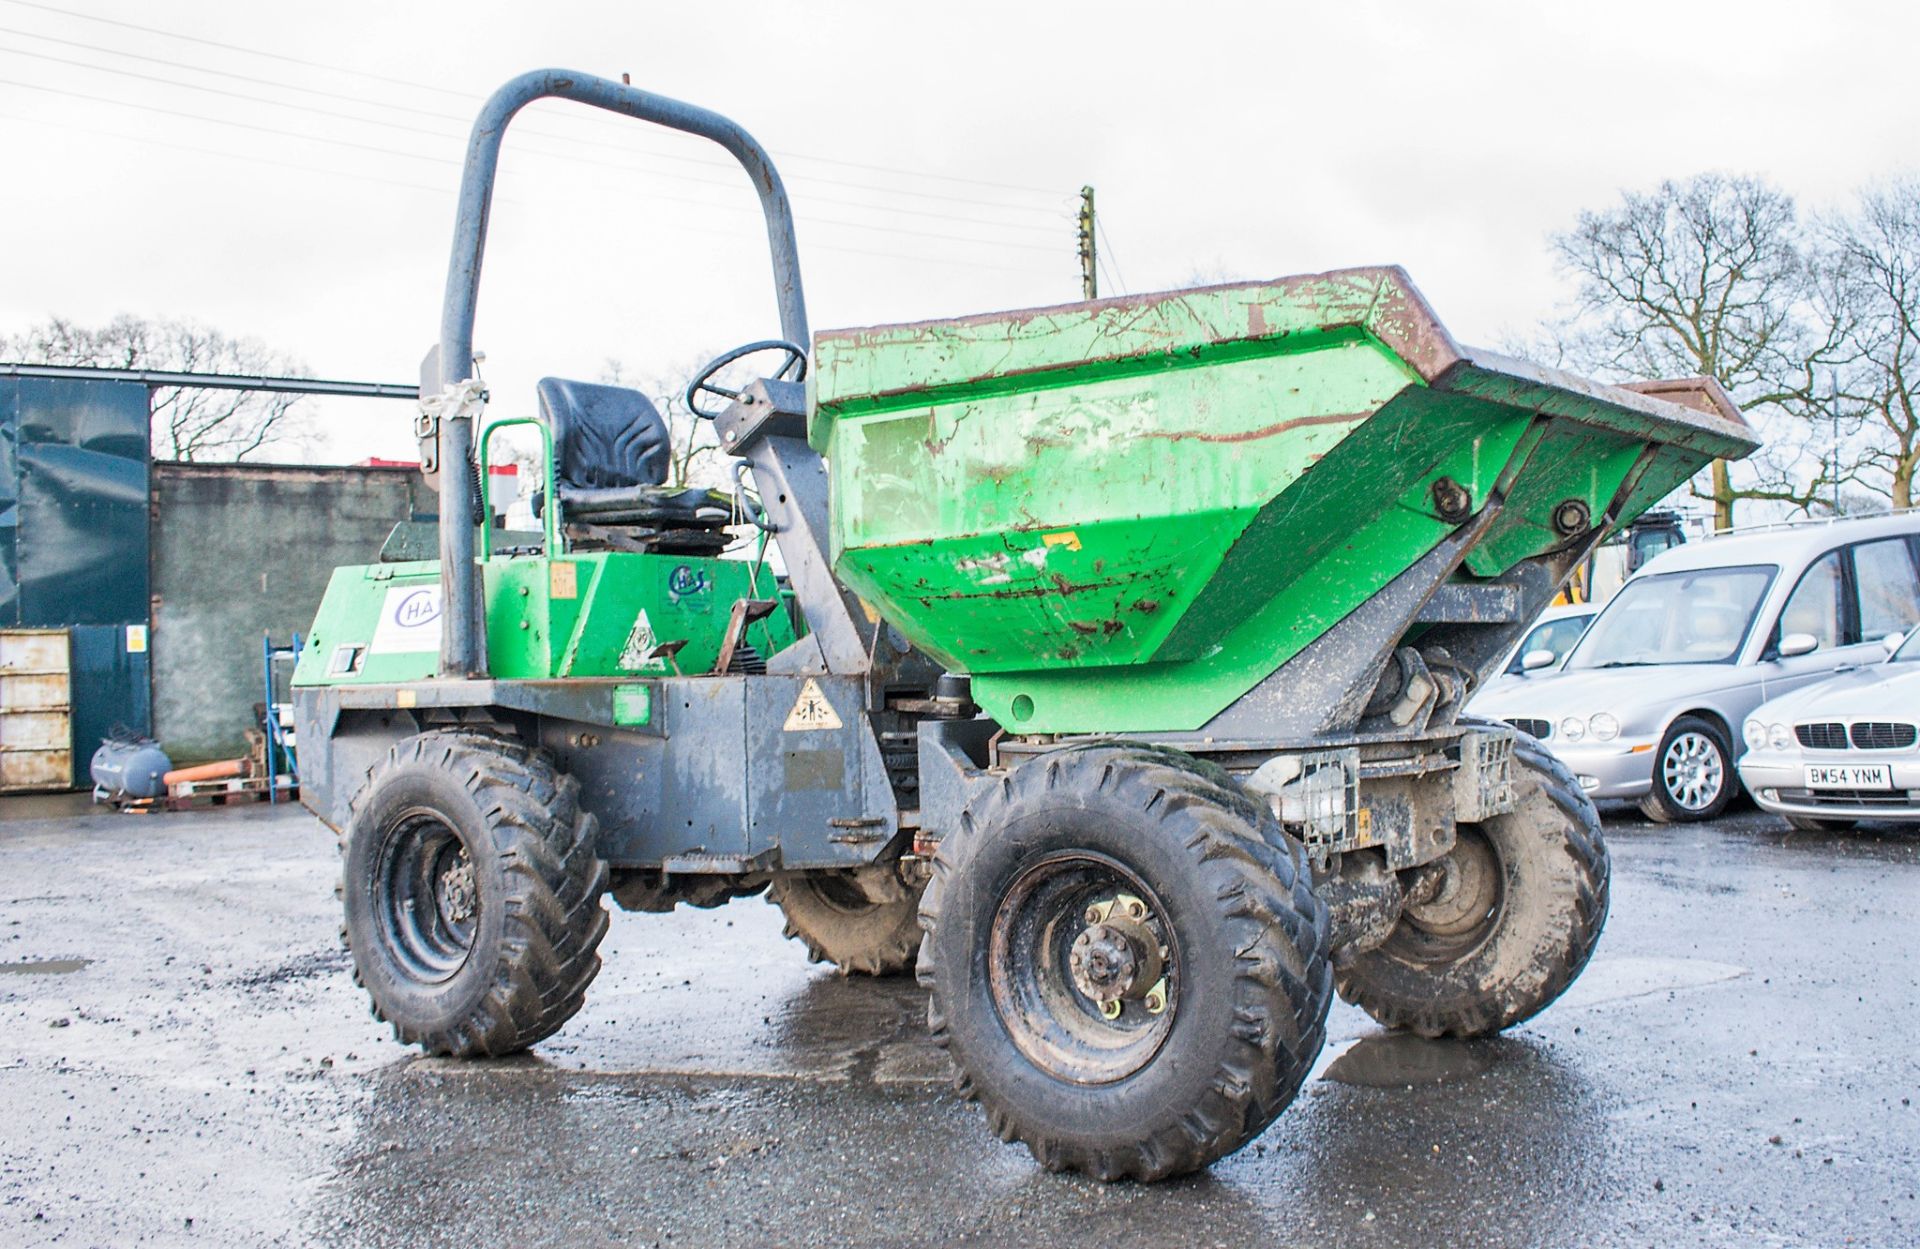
x,y
129,768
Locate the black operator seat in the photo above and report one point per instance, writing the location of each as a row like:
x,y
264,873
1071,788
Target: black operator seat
x,y
611,452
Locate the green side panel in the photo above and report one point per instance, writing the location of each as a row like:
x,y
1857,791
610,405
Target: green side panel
x,y
594,614
1335,567
358,599
978,358
1086,522
1411,442
1669,471
1588,464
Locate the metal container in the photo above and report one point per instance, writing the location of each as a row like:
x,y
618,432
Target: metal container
x,y
1123,515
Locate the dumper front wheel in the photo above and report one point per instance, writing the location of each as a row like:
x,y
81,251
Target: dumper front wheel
x,y
1508,923
472,891
1127,961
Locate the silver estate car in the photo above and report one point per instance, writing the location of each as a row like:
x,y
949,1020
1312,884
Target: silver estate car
x,y
1651,704
1842,750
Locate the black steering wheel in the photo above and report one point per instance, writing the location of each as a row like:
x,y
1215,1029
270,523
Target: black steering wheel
x,y
795,363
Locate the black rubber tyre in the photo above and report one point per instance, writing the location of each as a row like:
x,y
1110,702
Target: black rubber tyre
x,y
1814,824
1245,975
472,894
1693,776
1477,960
864,921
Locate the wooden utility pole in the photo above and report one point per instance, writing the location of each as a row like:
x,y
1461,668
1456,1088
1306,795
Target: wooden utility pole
x,y
1089,277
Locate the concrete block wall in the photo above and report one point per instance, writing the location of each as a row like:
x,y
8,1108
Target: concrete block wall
x,y
243,549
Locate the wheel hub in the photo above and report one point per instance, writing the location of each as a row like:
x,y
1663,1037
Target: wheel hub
x,y
1105,964
1084,967
1460,893
427,896
458,900
1117,957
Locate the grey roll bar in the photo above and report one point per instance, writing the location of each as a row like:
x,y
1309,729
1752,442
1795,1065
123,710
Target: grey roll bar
x,y
462,649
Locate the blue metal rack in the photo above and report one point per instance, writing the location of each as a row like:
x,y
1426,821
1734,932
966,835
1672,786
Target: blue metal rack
x,y
281,755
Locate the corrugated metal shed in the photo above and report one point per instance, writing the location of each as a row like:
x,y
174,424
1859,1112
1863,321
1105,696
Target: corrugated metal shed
x,y
73,539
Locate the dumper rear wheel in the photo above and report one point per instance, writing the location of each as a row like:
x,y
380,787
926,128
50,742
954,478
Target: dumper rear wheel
x,y
1127,961
1514,920
866,920
472,891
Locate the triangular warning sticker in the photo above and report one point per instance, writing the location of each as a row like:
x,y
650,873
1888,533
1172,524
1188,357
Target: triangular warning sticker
x,y
637,655
811,710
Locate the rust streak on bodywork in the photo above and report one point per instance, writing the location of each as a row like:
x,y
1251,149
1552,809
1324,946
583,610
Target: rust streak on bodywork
x,y
1250,435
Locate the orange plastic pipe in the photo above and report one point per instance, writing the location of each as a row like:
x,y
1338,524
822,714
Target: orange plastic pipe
x,y
206,772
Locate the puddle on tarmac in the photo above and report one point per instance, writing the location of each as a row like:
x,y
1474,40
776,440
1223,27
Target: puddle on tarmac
x,y
44,967
1397,1059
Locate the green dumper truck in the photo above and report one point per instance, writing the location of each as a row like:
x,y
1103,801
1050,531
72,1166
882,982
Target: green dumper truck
x,y
1110,675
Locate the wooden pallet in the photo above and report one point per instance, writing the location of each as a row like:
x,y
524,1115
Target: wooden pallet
x,y
189,795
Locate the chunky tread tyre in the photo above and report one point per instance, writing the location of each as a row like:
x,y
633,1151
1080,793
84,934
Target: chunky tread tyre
x,y
1555,872
864,921
1239,896
1659,806
537,879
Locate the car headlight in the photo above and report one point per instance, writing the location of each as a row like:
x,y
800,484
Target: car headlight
x,y
1756,735
1572,729
1778,737
1603,727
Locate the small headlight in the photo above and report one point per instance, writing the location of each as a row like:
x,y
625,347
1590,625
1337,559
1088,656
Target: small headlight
x,y
1603,727
1756,735
1572,729
1778,737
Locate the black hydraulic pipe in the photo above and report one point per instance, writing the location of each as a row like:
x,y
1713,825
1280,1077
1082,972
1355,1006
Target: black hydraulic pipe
x,y
462,649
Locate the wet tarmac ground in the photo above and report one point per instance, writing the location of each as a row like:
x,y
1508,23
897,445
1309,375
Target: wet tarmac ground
x,y
184,1060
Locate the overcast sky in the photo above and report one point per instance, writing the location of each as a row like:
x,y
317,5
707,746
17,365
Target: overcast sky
x,y
304,192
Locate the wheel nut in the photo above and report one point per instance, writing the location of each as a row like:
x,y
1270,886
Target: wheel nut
x,y
1111,1010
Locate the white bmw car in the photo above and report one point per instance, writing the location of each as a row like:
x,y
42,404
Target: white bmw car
x,y
1842,750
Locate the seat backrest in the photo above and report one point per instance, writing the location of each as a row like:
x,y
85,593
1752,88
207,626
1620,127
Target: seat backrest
x,y
604,435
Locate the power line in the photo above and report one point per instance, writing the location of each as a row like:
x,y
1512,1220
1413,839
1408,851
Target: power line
x,y
248,157
221,121
251,159
441,134
462,121
1100,224
413,156
226,73
415,84
231,95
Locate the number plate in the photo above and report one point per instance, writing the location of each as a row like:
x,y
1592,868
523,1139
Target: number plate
x,y
1850,776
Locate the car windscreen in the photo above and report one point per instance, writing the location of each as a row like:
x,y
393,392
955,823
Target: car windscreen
x,y
1909,652
1696,617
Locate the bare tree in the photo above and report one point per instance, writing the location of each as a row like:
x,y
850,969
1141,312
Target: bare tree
x,y
1712,276
1875,266
187,423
